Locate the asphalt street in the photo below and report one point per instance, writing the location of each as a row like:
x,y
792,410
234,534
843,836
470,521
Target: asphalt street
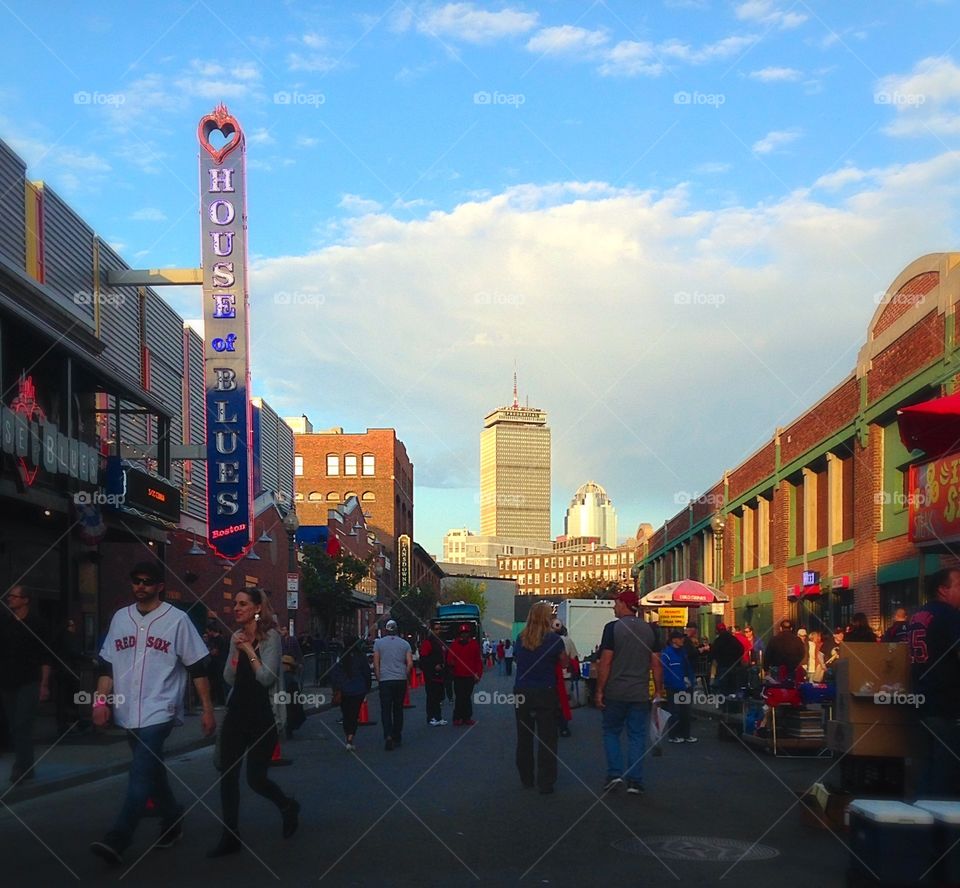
x,y
448,808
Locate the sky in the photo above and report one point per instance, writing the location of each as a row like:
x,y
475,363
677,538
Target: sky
x,y
676,218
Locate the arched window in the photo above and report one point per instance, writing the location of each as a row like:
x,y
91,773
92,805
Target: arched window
x,y
333,497
369,496
298,464
347,496
369,464
350,464
333,463
315,497
298,497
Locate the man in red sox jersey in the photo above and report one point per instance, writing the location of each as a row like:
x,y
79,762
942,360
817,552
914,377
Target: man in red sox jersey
x,y
148,652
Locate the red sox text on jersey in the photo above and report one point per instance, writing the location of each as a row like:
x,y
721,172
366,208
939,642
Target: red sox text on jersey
x,y
153,641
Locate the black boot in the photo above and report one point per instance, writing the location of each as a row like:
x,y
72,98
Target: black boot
x,y
229,844
290,814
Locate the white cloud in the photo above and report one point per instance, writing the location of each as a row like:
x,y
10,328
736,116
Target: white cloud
x,y
463,21
774,140
926,101
461,289
149,214
840,179
766,12
630,57
567,39
711,52
306,142
354,203
712,167
260,136
774,74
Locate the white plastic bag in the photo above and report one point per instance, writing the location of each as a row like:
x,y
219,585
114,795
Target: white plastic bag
x,y
659,719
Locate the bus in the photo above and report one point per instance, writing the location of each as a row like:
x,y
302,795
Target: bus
x,y
452,617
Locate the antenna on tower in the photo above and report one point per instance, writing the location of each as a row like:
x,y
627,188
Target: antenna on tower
x,y
516,401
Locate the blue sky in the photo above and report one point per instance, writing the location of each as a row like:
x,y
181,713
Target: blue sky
x,y
677,217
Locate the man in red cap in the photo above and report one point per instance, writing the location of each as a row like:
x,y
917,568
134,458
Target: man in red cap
x,y
629,650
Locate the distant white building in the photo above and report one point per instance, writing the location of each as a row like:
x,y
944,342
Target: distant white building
x,y
591,514
463,546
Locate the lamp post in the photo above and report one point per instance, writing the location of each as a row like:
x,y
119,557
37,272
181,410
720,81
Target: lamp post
x,y
291,524
716,525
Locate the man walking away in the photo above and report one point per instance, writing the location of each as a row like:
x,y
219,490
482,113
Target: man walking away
x,y
629,651
392,662
149,650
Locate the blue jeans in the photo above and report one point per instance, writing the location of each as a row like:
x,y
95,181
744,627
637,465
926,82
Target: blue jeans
x,y
636,717
148,779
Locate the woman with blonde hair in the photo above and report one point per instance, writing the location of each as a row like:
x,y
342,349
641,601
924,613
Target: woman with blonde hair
x,y
537,653
250,727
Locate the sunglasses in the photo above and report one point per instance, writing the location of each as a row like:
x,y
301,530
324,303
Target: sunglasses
x,y
142,581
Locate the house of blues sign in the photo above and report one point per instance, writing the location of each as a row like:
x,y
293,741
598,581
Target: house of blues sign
x,y
223,227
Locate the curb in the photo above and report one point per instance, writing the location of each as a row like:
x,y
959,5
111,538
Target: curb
x,y
28,790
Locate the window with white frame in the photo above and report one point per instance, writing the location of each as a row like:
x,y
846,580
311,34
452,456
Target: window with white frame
x,y
298,464
333,464
350,464
369,464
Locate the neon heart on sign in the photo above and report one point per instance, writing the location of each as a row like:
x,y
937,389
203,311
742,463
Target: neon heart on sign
x,y
25,403
223,121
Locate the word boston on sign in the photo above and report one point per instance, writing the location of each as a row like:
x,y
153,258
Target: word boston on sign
x,y
223,227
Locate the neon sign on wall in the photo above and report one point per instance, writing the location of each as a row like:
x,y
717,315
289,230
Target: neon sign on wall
x,y
223,228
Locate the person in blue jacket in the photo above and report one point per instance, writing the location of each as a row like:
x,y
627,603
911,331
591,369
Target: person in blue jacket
x,y
351,678
679,681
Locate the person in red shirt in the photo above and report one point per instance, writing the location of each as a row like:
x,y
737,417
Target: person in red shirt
x,y
466,664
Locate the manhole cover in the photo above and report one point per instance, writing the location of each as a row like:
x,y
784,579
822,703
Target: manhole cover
x,y
696,848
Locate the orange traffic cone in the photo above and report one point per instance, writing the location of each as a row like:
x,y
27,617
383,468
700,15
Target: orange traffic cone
x,y
414,680
277,760
406,701
364,715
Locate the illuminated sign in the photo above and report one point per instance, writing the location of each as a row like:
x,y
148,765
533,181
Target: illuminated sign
x,y
36,443
934,501
403,556
223,231
811,578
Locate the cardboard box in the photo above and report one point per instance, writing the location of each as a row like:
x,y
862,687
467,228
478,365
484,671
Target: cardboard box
x,y
866,710
880,740
823,809
865,664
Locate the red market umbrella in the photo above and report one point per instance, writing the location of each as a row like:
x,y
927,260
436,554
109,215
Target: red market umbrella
x,y
684,592
933,426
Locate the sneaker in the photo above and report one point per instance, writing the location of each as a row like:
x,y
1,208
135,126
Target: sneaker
x,y
349,747
468,722
433,722
171,835
441,721
692,739
106,850
634,788
676,740
613,784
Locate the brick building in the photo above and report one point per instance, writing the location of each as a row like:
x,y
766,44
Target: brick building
x,y
815,523
571,560
330,467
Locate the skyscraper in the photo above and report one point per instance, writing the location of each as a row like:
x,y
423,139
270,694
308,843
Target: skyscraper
x,y
591,514
515,472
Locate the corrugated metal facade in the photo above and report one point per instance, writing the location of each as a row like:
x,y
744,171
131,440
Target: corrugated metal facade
x,y
276,453
13,173
195,502
68,256
119,317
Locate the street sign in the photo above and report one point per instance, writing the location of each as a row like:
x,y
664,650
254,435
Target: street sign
x,y
673,617
293,582
293,601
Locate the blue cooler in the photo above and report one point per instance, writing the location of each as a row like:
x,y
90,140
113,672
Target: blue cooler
x,y
892,842
946,839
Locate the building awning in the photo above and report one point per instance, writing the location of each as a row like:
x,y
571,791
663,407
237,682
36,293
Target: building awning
x,y
933,426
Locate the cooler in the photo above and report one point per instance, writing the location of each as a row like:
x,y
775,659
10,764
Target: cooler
x,y
891,841
946,839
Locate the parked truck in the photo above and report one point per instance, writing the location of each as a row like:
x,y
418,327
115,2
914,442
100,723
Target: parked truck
x,y
585,619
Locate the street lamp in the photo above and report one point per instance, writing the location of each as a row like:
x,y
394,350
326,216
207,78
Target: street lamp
x,y
291,524
716,525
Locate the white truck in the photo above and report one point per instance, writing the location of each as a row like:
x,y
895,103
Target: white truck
x,y
585,619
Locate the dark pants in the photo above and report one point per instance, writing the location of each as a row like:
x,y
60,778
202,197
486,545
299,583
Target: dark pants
x,y
350,710
680,723
939,773
391,707
463,698
434,700
537,718
509,665
68,712
20,707
148,780
258,743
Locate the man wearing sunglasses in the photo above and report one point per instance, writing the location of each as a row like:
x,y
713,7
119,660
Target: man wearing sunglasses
x,y
150,649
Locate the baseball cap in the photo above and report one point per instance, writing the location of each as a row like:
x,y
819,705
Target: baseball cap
x,y
152,569
391,626
676,633
721,627
629,598
786,625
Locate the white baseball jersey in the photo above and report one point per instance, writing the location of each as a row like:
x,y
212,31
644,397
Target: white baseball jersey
x,y
149,654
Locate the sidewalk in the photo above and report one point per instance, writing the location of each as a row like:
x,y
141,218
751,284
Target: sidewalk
x,y
83,758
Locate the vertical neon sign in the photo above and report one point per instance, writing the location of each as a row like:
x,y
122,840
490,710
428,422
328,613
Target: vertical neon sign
x,y
223,230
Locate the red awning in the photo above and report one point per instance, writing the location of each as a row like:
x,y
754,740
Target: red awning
x,y
933,426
